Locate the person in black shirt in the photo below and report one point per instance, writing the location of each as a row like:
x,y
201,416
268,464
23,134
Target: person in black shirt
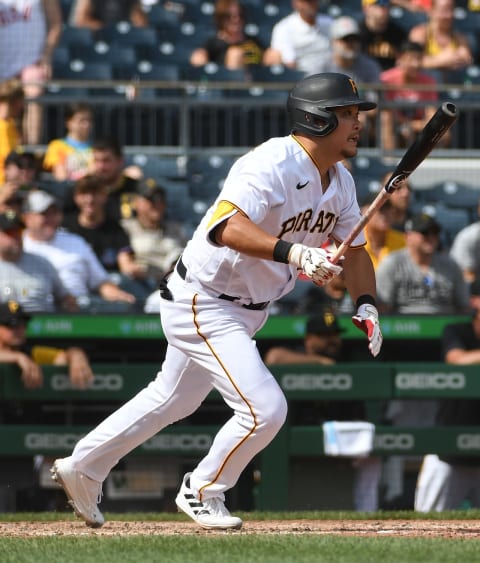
x,y
445,482
381,37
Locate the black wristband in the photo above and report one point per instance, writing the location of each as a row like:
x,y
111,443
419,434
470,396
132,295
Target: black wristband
x,y
281,251
366,300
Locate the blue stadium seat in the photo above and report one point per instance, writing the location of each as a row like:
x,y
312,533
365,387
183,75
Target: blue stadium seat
x,y
406,18
169,52
452,194
127,35
73,36
206,175
102,52
211,72
78,69
159,166
159,16
452,220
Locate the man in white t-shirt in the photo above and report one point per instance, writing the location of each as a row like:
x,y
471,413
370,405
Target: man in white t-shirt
x,y
77,265
301,40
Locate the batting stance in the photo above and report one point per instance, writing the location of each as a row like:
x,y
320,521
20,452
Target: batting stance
x,y
279,204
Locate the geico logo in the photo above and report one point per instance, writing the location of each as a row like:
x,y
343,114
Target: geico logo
x,y
468,441
182,442
101,382
323,381
394,441
430,380
51,441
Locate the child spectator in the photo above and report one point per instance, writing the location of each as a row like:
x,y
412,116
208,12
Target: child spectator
x,y
71,157
11,107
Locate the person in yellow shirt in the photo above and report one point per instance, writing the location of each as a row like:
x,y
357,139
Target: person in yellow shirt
x,y
71,158
381,237
14,349
11,107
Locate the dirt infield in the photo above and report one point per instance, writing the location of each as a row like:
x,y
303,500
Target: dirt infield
x,y
398,528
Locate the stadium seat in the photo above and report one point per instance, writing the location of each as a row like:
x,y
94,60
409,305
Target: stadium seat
x,y
160,166
78,69
126,35
406,18
451,220
73,36
206,175
160,16
452,194
102,52
211,72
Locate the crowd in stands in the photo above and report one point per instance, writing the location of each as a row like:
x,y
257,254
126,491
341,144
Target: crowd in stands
x,y
121,221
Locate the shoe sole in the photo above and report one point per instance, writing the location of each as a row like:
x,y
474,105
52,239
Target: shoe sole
x,y
179,502
56,476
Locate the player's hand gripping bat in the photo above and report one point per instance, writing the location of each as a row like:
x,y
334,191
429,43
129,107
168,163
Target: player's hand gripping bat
x,y
441,121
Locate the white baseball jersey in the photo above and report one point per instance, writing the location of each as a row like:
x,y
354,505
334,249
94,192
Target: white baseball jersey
x,y
23,32
277,185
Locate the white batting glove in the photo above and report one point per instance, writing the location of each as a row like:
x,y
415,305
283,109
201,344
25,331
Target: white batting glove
x,y
366,319
315,263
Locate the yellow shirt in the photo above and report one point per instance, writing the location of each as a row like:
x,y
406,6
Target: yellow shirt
x,y
394,240
9,140
75,160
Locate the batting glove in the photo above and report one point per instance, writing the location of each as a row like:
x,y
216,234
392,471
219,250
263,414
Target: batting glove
x,y
315,263
366,319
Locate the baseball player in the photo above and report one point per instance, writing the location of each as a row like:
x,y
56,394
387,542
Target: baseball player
x,y
279,204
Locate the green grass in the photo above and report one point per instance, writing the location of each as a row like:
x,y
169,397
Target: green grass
x,y
202,547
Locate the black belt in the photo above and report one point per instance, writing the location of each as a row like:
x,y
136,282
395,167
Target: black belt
x,y
182,272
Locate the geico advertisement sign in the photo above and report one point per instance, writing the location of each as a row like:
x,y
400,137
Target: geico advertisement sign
x,y
468,442
101,382
402,442
317,381
180,442
162,442
424,380
50,441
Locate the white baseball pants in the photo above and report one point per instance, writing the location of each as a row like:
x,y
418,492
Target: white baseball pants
x,y
210,346
443,486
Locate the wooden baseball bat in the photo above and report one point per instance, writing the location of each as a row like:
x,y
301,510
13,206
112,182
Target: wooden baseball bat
x,y
437,126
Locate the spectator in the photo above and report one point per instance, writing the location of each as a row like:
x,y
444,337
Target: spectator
x,y
231,46
15,349
11,108
465,250
445,48
156,241
29,33
382,239
400,200
23,168
31,280
71,157
96,14
109,166
445,482
333,295
347,55
301,40
348,58
381,36
72,257
322,344
21,175
105,235
400,125
419,279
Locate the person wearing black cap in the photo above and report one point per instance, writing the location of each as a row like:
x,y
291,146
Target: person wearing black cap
x,y
419,279
156,241
445,482
14,349
322,343
29,279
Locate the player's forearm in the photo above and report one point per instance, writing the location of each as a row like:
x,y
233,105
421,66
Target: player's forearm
x,y
242,235
359,274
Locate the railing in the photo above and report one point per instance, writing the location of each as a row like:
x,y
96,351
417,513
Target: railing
x,y
183,118
365,381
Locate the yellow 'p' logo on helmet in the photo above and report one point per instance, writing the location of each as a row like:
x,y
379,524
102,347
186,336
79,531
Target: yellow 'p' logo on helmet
x,y
354,86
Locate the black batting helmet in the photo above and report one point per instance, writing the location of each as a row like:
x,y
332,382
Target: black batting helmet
x,y
310,102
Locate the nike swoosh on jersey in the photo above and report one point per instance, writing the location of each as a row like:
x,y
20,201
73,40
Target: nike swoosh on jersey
x,y
301,186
